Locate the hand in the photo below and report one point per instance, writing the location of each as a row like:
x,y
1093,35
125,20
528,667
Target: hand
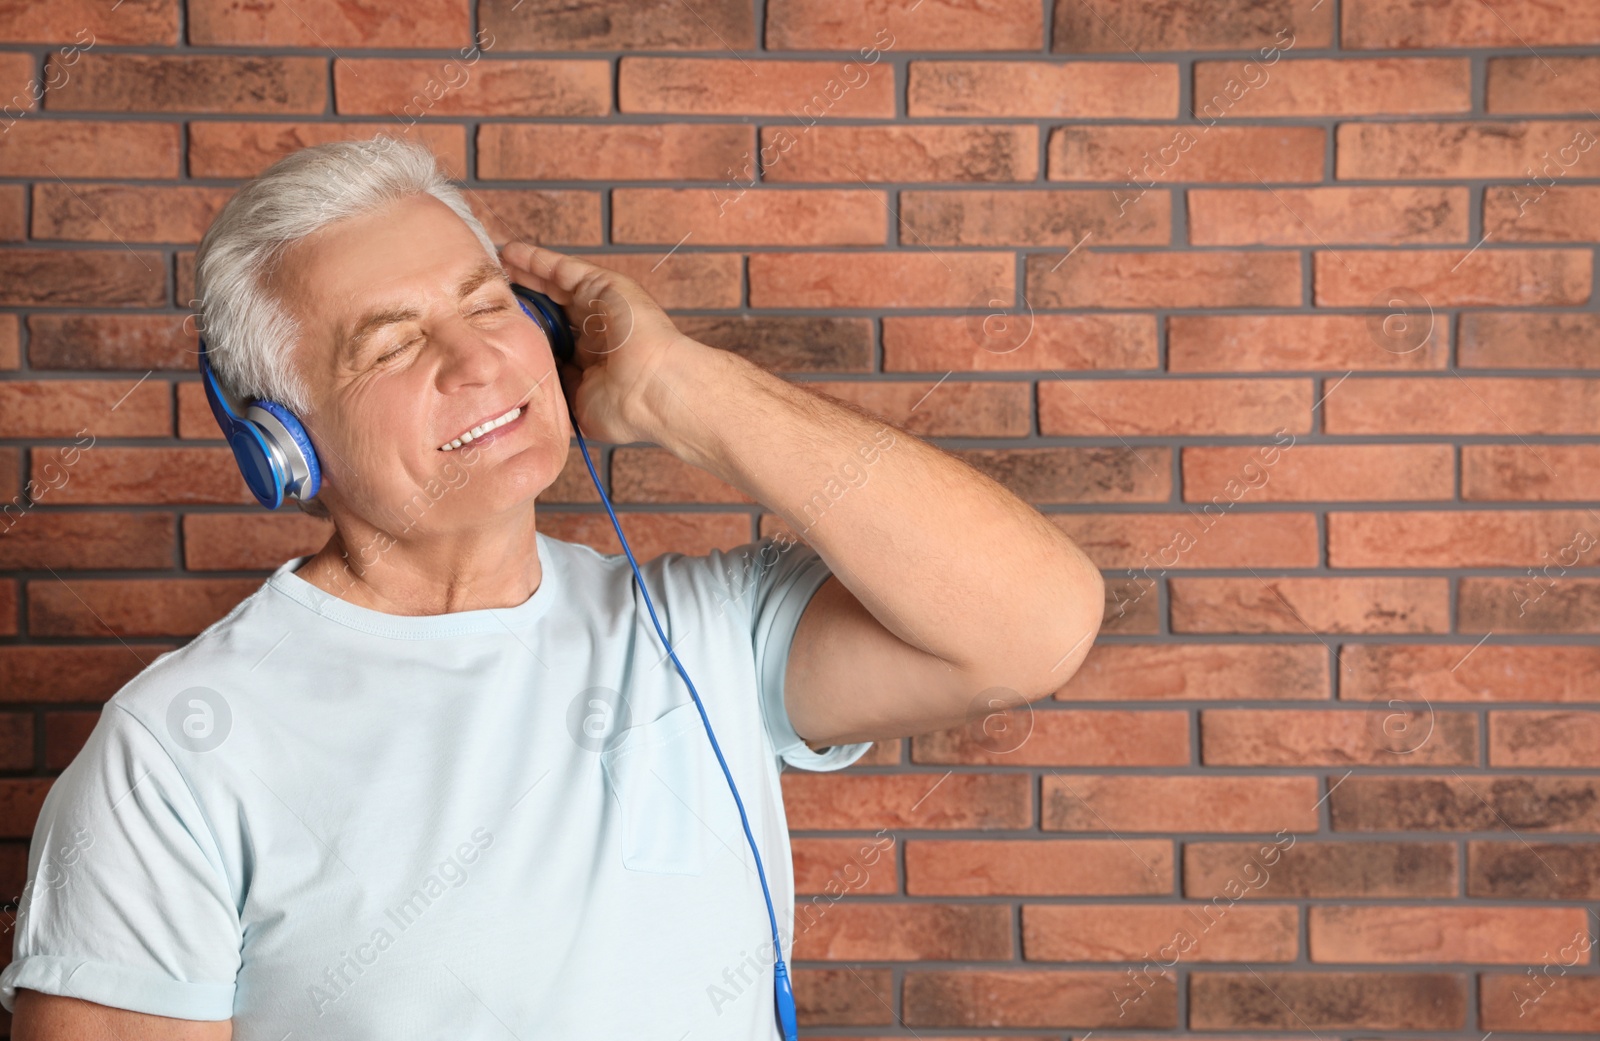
x,y
624,339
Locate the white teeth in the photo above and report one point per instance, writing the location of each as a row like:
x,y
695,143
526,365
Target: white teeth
x,y
479,431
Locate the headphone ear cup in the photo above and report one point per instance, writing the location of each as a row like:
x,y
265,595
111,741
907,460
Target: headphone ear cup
x,y
549,316
306,471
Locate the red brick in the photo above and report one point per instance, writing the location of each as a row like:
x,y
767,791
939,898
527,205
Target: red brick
x,y
1191,25
821,25
1460,538
111,341
88,148
1007,339
1494,340
190,83
1544,998
1308,605
1548,739
843,996
1327,1000
76,672
124,213
1395,151
1410,24
1043,90
760,217
1242,343
1325,216
276,23
1049,475
1528,605
1046,867
87,23
1209,279
616,152
1156,542
1530,472
134,607
79,541
894,153
242,150
1520,870
11,341
1396,935
1199,672
16,741
1293,868
907,278
1322,473
904,932
1536,214
552,25
1464,672
1061,737
1112,407
65,734
1036,998
1543,85
1395,737
554,217
1452,278
788,343
416,88
1134,803
1331,87
953,408
250,542
1137,932
803,90
1504,803
685,279
8,608
71,278
911,800
1140,156
155,476
105,408
13,204
20,801
1031,218
863,866
1500,406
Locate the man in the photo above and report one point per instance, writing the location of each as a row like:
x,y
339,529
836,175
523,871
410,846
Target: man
x,y
439,779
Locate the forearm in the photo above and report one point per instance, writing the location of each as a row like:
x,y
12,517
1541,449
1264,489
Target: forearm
x,y
943,556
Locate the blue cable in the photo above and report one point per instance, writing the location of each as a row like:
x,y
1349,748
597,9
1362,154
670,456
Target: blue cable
x,y
785,993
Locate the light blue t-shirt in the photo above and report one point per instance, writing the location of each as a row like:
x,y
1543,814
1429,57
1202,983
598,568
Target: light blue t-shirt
x,y
323,821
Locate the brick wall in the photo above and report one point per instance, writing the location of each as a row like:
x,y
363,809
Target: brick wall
x,y
1284,309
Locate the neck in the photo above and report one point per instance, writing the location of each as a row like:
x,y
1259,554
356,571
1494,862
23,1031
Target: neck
x,y
493,566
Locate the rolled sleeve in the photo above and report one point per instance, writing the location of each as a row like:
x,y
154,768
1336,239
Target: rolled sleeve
x,y
789,575
126,903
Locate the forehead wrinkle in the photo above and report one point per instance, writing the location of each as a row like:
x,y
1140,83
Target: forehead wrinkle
x,y
474,280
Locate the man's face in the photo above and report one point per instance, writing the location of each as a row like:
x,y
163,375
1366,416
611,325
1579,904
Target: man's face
x,y
411,336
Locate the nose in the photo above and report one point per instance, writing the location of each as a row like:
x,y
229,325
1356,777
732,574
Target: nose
x,y
470,358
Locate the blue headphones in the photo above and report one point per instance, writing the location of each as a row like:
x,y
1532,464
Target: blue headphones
x,y
277,459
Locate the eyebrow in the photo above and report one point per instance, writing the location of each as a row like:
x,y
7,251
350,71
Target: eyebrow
x,y
372,321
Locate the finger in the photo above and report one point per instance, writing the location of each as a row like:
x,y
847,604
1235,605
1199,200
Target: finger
x,y
559,274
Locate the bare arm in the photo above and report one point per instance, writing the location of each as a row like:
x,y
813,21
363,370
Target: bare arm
x,y
947,588
51,1017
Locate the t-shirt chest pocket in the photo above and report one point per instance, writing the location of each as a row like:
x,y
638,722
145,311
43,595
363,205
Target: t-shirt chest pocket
x,y
658,773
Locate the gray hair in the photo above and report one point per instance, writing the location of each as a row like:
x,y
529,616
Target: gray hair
x,y
249,333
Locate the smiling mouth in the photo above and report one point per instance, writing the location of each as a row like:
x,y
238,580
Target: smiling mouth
x,y
484,429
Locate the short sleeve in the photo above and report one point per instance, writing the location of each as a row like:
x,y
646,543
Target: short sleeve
x,y
788,574
127,903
